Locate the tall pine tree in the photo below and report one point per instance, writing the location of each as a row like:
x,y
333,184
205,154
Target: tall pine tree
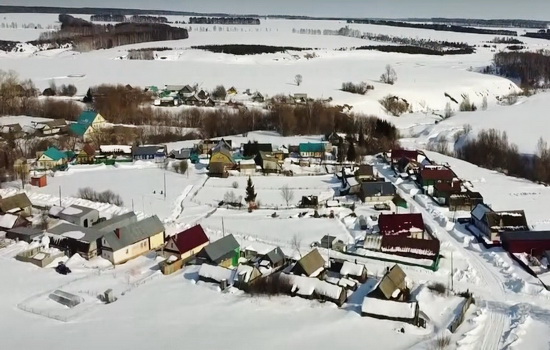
x,y
250,193
351,152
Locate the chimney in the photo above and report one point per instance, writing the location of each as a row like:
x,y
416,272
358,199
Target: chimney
x,y
117,233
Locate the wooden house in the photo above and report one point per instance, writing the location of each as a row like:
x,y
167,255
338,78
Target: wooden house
x,y
131,241
443,191
14,130
87,124
232,91
406,225
24,233
312,150
73,239
274,259
313,288
186,244
245,275
52,127
155,153
18,204
223,252
378,191
311,265
332,242
392,286
220,162
432,175
354,270
247,166
268,162
365,172
491,223
79,215
52,158
86,155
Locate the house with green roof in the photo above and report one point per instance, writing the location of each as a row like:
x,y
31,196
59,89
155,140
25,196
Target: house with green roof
x,y
88,122
52,158
312,150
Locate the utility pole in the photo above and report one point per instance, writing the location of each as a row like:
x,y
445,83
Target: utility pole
x,y
132,204
60,196
223,228
165,186
452,272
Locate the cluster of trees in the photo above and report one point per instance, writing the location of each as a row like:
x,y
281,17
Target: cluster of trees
x,y
86,36
394,105
219,93
531,68
63,90
224,20
416,50
243,49
506,40
439,27
141,54
541,34
107,196
107,17
501,23
148,19
361,88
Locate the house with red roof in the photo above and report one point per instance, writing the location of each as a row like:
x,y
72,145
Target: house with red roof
x,y
406,225
432,175
187,244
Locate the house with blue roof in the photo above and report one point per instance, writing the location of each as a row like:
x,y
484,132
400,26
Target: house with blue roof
x,y
88,123
312,150
52,158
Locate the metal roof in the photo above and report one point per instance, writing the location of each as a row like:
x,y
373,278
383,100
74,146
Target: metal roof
x,y
275,256
64,230
190,239
379,188
83,211
134,233
148,150
19,200
480,210
393,280
221,248
525,236
116,222
25,231
311,262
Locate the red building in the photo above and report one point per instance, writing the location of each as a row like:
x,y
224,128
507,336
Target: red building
x,y
407,225
530,242
39,181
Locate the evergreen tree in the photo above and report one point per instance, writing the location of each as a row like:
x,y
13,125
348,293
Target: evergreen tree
x,y
351,153
250,194
341,150
362,142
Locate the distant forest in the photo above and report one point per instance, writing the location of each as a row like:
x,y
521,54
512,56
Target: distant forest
x,y
515,23
247,49
224,20
121,18
416,50
439,27
531,68
87,36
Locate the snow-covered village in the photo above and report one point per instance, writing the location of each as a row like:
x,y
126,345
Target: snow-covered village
x,y
274,176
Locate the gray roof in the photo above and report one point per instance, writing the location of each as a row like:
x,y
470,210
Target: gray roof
x,y
25,231
370,189
327,241
90,235
83,211
174,87
183,153
220,248
134,233
147,150
275,256
116,222
480,210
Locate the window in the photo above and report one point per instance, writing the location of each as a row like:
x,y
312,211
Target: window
x,y
126,251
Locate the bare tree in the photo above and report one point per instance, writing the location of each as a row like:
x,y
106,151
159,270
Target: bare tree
x,y
484,103
287,193
296,244
389,76
298,79
448,111
44,219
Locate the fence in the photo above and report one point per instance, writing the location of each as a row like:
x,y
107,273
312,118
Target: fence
x,y
460,317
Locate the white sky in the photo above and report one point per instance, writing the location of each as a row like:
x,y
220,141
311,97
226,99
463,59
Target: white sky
x,y
524,9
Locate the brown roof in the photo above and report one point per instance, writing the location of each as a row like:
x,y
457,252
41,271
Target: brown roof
x,y
393,280
365,170
19,200
89,149
437,174
311,262
511,220
453,187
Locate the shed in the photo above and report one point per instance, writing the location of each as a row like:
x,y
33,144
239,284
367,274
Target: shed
x,y
354,270
275,257
224,252
216,274
26,234
39,180
66,299
365,172
79,215
391,310
311,265
332,242
313,288
252,149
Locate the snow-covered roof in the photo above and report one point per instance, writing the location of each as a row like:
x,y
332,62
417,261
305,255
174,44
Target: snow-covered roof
x,y
388,308
116,149
55,210
352,269
8,220
247,162
216,273
352,181
306,286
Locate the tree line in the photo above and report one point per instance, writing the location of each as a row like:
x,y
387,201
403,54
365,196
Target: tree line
x,y
531,68
224,20
244,49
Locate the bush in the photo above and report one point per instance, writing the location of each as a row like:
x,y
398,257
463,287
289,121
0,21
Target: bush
x,y
108,196
362,88
67,90
235,184
276,284
438,288
466,105
389,76
394,105
183,165
509,100
219,93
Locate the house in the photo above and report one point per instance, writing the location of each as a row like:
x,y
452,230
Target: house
x,y
247,166
223,252
400,159
379,191
313,288
73,239
26,234
410,247
232,91
52,127
52,158
245,275
186,244
407,312
252,149
150,153
465,201
9,221
131,241
174,88
331,242
14,130
442,191
407,225
354,270
492,224
87,124
529,242
86,155
392,286
258,97
205,146
115,150
181,154
311,265
18,204
115,222
365,172
431,175
312,150
274,259
220,162
79,215
186,92
39,180
268,162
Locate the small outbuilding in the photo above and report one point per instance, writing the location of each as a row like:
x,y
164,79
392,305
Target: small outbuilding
x,y
79,215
